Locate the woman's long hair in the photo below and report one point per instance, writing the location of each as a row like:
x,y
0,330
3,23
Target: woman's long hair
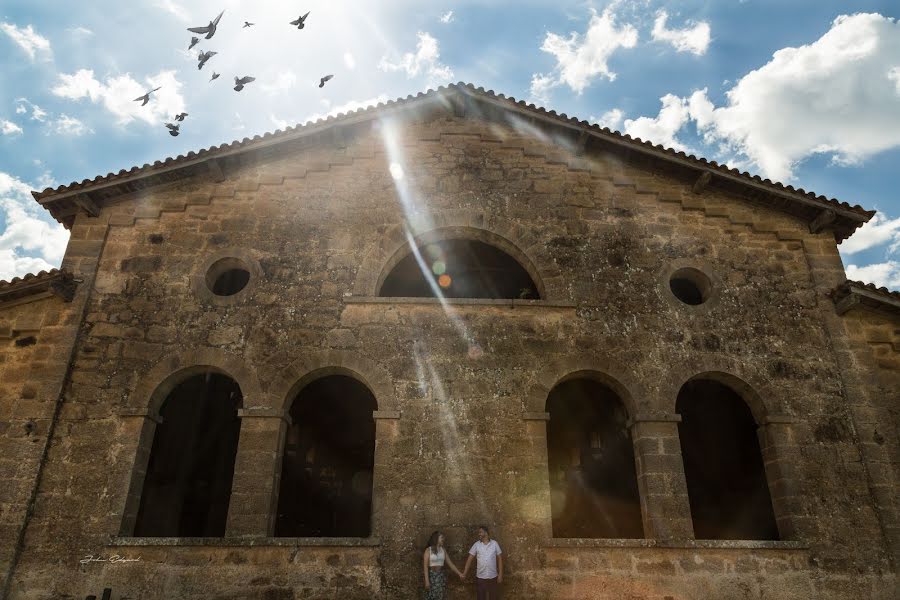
x,y
433,541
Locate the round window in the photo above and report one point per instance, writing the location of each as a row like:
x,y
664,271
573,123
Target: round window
x,y
690,286
227,276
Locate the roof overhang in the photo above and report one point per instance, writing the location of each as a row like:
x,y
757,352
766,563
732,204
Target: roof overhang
x,y
852,295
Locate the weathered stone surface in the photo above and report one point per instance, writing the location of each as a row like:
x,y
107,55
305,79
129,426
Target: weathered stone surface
x,y
458,442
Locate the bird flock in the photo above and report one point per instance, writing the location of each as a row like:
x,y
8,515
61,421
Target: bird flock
x,y
204,57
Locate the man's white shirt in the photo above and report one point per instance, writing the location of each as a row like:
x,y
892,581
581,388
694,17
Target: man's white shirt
x,y
485,558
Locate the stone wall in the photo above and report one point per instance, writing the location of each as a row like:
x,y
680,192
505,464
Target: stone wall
x,y
461,388
37,338
875,342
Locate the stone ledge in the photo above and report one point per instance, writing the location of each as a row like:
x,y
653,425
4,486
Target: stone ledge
x,y
325,542
675,544
512,302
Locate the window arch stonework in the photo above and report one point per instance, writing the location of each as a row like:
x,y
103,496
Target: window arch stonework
x,y
513,239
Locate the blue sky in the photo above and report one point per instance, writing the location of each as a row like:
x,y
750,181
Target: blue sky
x,y
806,92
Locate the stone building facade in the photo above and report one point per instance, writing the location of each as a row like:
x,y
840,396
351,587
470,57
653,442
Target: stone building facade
x,y
684,399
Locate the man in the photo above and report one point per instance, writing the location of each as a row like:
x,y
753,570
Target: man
x,y
489,569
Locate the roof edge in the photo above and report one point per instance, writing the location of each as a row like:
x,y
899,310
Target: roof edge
x,y
77,193
56,282
853,294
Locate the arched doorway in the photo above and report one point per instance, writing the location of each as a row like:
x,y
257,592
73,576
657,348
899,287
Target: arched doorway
x,y
723,465
328,460
187,487
593,480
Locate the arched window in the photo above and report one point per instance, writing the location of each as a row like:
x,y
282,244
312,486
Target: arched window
x,y
329,455
188,482
726,479
459,268
593,481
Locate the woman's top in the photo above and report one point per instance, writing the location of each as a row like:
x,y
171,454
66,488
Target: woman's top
x,y
436,560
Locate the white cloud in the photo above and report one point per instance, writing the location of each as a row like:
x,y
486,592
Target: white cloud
x,y
828,97
117,94
447,17
424,61
27,39
878,231
174,9
80,31
580,59
67,125
38,113
29,243
661,129
692,39
611,118
349,61
283,82
894,75
886,274
9,128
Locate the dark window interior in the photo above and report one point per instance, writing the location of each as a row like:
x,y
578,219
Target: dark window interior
x,y
593,483
686,291
723,465
326,477
188,483
460,269
230,282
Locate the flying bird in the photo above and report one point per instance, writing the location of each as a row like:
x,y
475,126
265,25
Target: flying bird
x,y
214,76
209,30
248,24
301,22
180,116
239,83
145,97
324,80
194,41
204,56
173,129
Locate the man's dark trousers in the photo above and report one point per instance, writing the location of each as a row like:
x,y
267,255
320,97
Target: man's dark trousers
x,y
488,589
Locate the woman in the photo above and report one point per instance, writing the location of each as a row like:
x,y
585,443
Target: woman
x,y
433,567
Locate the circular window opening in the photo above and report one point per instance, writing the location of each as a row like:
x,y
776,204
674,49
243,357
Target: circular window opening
x,y
690,286
227,277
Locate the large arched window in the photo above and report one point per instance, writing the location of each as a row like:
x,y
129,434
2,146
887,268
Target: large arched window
x,y
459,268
593,481
188,482
723,465
329,455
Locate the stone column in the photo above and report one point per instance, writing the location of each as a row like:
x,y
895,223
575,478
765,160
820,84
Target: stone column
x,y
257,473
781,457
539,505
139,425
665,507
387,429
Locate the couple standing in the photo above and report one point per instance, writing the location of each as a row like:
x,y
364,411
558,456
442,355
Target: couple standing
x,y
488,571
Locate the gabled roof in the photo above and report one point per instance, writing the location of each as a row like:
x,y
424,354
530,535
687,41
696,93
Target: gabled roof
x,y
853,294
463,99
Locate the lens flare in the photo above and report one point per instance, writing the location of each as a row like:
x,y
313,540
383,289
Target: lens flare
x,y
444,281
396,171
438,267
